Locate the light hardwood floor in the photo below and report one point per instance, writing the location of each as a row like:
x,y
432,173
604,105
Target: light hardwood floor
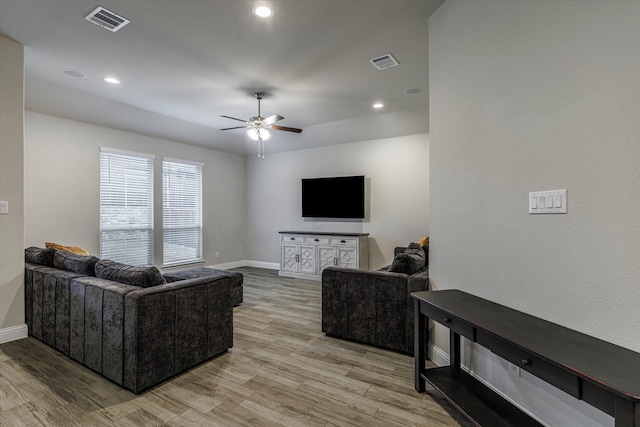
x,y
281,371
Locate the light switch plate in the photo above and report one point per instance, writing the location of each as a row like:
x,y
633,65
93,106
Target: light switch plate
x,y
548,202
4,207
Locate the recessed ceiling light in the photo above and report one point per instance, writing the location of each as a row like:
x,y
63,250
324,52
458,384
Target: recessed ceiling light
x,y
412,91
262,11
73,73
378,105
112,80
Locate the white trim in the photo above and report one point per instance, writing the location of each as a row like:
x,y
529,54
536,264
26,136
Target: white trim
x,y
263,264
127,152
13,333
246,263
187,162
439,356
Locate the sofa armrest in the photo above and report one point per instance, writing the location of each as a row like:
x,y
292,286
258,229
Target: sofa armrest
x,y
357,303
175,326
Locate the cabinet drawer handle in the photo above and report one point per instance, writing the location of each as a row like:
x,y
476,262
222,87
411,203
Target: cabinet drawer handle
x,y
292,238
316,240
526,362
343,241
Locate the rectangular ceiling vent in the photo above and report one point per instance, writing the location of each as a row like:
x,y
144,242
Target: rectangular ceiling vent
x,y
106,19
383,62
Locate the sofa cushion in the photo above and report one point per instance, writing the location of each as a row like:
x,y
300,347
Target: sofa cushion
x,y
42,256
410,261
145,277
83,264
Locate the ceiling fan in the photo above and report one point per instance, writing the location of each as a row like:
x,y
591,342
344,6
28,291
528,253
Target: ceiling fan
x,y
259,126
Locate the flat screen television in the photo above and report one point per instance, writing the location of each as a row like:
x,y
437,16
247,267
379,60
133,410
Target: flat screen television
x,y
336,197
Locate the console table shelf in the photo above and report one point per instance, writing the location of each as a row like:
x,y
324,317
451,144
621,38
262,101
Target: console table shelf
x,y
600,373
481,405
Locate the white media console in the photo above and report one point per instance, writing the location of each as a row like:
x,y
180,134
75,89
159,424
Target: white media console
x,y
304,254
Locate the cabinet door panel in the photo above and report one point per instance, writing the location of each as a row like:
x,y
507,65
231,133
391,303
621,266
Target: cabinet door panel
x,y
289,257
347,257
307,259
326,257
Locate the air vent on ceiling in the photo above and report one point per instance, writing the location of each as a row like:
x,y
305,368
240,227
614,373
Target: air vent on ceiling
x,y
106,19
383,62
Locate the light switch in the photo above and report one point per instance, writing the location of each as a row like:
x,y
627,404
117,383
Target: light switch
x,y
4,207
557,201
548,202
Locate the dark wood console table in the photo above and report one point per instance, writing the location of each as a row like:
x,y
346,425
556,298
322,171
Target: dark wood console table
x,y
602,374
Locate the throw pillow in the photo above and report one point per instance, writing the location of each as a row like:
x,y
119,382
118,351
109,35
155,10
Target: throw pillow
x,y
73,249
411,261
42,256
83,264
145,277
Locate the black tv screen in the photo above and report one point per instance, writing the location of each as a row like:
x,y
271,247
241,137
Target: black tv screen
x,y
337,197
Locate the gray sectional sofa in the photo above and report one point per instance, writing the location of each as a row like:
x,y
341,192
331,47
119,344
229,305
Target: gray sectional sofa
x,y
375,307
130,324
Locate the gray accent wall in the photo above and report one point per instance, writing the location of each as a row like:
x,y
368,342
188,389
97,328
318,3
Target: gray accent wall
x,y
62,186
532,96
396,174
12,324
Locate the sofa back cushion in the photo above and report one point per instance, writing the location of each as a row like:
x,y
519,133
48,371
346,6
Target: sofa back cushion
x,y
42,256
145,277
410,261
83,264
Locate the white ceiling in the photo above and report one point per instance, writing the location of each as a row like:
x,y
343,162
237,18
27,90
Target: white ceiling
x,y
183,63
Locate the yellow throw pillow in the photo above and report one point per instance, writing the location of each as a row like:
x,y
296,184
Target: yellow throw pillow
x,y
73,249
424,241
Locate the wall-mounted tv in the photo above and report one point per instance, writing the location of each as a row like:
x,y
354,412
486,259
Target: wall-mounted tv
x,y
336,197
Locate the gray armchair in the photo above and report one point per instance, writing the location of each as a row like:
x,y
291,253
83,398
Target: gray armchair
x,y
373,307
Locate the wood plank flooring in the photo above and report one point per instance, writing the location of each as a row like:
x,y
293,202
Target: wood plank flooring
x,y
282,371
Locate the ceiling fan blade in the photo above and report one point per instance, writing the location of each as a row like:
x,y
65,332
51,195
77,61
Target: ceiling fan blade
x,y
284,128
272,119
237,127
233,118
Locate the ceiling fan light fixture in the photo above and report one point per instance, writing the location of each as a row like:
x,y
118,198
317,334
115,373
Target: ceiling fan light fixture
x,y
262,11
259,133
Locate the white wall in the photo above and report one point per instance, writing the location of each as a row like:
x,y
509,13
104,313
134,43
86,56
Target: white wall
x,y
529,96
62,184
11,190
396,171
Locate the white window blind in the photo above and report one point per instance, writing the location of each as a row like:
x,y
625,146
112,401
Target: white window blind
x,y
126,207
181,212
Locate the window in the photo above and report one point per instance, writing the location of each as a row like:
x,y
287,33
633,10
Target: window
x,y
126,207
181,212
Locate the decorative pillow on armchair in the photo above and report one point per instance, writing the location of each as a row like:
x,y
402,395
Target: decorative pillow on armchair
x,y
411,261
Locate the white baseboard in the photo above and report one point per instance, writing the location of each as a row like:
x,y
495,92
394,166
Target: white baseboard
x,y
247,263
439,356
13,333
263,264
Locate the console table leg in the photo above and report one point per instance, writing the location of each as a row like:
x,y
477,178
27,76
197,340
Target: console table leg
x,y
419,345
454,349
627,414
